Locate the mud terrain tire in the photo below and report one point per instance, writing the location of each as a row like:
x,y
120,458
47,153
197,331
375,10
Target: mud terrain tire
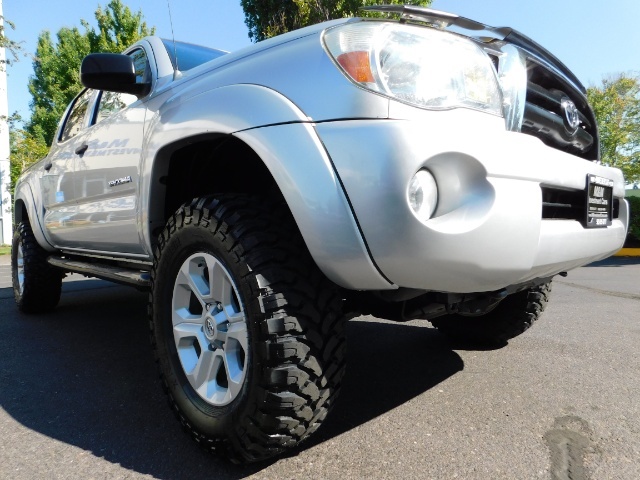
x,y
36,284
510,318
264,361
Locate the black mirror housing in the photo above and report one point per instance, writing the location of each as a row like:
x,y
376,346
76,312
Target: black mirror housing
x,y
112,72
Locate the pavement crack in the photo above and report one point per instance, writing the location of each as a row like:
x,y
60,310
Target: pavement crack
x,y
631,296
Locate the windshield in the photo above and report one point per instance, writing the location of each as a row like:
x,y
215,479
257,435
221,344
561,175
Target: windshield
x,y
190,55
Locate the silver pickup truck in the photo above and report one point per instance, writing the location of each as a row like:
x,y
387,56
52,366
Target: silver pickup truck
x,y
429,167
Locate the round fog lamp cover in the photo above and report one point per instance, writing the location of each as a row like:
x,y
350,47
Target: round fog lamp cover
x,y
423,194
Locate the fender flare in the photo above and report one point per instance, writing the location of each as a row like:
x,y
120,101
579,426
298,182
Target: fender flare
x,y
24,197
286,141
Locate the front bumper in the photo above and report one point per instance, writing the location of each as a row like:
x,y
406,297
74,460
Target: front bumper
x,y
487,232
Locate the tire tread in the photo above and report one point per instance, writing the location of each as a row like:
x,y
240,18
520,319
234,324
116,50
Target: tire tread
x,y
302,334
512,317
42,282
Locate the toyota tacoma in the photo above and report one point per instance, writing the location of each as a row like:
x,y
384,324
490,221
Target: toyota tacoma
x,y
424,166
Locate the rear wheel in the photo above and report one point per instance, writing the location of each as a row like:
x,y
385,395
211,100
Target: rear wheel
x,y
511,317
36,284
247,331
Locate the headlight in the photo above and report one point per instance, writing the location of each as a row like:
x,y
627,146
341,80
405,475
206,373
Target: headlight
x,y
423,195
513,78
420,66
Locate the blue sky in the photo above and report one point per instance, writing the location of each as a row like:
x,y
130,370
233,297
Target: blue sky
x,y
594,38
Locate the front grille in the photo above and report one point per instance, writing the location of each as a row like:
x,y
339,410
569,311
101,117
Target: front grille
x,y
563,204
558,204
546,118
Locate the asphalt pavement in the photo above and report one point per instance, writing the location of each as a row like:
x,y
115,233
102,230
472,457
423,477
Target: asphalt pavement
x,y
80,396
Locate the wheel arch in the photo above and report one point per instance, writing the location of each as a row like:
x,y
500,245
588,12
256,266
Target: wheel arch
x,y
263,143
25,209
201,165
19,211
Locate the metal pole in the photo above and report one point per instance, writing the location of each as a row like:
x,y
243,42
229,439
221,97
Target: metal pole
x,y
5,172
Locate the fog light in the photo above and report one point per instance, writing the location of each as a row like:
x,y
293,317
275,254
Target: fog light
x,y
423,195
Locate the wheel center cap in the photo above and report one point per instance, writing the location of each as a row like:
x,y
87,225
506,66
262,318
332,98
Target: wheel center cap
x,y
210,327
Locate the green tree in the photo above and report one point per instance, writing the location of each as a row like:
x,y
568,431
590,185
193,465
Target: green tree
x,y
118,28
56,78
25,149
266,18
11,46
616,104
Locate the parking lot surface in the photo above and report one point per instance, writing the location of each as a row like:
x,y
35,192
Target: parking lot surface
x,y
80,396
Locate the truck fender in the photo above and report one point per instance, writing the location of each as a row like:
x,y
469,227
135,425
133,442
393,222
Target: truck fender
x,y
286,141
24,196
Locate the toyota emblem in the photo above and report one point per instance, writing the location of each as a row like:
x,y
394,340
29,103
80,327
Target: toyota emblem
x,y
571,115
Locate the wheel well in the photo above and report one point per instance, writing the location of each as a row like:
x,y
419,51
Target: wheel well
x,y
20,212
202,166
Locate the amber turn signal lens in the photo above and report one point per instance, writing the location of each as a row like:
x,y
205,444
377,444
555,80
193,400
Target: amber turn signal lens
x,y
356,64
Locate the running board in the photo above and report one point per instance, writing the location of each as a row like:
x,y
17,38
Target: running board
x,y
137,278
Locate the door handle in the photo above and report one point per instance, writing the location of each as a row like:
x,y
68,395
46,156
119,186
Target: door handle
x,y
81,149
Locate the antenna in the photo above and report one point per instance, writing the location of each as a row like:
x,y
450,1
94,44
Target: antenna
x,y
176,71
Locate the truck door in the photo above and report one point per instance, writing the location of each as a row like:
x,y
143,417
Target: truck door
x,y
107,172
56,182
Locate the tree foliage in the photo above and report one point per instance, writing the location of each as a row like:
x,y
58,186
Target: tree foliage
x,y
267,18
56,78
616,104
633,239
25,150
14,48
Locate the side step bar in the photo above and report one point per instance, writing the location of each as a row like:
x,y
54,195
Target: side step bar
x,y
137,278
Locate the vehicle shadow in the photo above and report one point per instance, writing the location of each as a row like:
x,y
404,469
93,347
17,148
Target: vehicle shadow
x,y
84,375
388,364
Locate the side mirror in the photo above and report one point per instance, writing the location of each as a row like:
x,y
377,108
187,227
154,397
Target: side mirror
x,y
112,72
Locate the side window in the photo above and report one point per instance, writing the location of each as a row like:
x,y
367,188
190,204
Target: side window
x,y
112,102
75,119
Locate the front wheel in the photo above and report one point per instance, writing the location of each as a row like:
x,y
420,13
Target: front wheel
x,y
510,318
247,331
